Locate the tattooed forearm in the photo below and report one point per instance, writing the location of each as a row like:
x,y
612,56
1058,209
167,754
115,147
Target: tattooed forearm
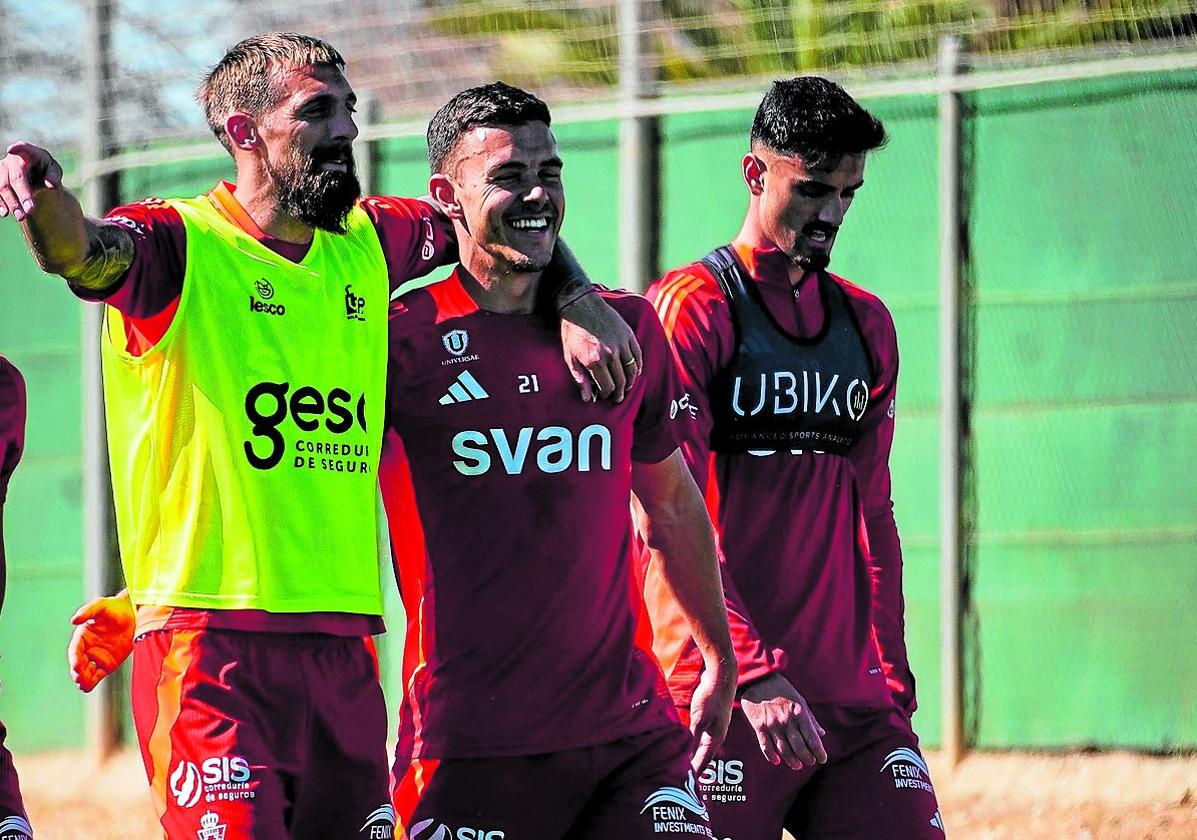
x,y
109,255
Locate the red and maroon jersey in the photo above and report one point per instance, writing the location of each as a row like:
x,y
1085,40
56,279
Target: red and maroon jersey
x,y
12,421
414,238
812,562
507,498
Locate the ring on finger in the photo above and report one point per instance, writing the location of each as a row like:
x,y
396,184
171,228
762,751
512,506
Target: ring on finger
x,y
630,362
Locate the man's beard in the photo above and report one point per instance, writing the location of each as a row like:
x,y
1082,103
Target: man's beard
x,y
814,262
318,197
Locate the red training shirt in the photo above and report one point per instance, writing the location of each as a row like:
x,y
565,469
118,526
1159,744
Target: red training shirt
x,y
507,498
813,565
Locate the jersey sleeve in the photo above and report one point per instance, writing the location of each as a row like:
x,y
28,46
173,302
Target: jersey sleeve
x,y
415,237
153,282
657,424
12,422
870,461
698,326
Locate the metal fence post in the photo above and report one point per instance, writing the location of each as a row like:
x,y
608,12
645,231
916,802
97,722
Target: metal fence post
x,y
639,152
103,719
369,147
951,406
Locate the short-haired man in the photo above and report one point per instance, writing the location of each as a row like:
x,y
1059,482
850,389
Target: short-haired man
x,y
244,372
533,706
791,375
14,822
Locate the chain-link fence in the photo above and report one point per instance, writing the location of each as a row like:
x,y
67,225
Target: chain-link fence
x,y
410,55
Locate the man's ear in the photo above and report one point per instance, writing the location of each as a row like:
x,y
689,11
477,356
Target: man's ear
x,y
243,132
444,193
754,173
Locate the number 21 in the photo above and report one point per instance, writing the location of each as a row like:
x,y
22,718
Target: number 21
x,y
529,383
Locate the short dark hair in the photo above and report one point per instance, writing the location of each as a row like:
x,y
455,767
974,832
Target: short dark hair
x,y
245,79
815,119
494,104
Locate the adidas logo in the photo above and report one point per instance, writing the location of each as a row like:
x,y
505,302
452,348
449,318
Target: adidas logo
x,y
465,389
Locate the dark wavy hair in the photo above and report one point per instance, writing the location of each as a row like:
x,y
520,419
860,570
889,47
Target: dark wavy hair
x,y
815,119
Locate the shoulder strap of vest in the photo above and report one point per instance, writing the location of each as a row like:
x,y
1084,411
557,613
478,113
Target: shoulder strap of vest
x,y
728,272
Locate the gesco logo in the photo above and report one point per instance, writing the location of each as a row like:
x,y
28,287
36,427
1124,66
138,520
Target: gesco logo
x,y
557,450
432,830
268,404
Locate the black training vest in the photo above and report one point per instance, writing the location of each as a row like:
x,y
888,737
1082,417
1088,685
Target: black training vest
x,y
782,392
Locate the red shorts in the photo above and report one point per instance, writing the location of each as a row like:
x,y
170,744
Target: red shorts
x,y
262,735
14,822
875,784
638,788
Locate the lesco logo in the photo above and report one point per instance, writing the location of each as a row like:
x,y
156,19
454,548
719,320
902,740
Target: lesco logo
x,y
433,830
268,404
553,449
456,341
265,292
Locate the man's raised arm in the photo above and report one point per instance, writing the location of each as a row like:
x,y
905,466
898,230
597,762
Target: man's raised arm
x,y
91,254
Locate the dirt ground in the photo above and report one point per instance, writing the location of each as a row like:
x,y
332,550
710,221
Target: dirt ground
x,y
989,797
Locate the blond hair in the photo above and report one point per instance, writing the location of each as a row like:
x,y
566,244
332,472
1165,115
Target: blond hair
x,y
245,79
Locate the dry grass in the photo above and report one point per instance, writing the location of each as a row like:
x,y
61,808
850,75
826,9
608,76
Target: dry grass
x,y
989,797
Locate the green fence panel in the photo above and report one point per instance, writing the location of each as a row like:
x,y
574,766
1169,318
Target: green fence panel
x,y
1087,282
40,323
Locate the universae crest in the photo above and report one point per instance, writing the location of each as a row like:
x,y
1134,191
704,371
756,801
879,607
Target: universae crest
x,y
456,341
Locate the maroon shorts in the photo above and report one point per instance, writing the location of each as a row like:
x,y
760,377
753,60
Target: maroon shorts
x,y
262,735
875,784
638,788
14,823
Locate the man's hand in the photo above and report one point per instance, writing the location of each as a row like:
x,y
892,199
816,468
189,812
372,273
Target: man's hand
x,y
24,170
102,640
785,727
600,348
711,711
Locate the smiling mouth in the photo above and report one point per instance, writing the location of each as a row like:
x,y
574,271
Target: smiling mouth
x,y
532,225
819,236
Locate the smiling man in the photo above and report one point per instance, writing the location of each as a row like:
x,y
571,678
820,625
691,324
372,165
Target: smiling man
x,y
533,706
791,373
244,375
